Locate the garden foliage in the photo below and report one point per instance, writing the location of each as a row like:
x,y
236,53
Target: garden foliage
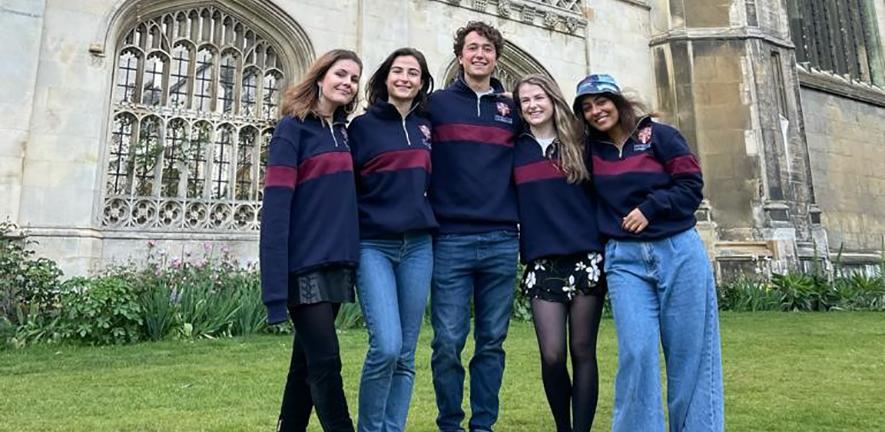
x,y
212,295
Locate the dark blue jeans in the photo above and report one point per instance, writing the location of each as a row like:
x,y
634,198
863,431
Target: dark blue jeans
x,y
479,268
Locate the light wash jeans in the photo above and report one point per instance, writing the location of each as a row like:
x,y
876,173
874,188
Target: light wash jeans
x,y
480,268
393,282
663,290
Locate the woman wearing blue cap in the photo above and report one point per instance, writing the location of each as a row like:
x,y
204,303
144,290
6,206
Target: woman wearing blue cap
x,y
659,277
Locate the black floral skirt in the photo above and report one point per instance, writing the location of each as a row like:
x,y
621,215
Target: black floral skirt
x,y
561,278
333,284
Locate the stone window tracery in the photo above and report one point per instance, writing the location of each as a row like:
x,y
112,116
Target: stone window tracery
x,y
195,99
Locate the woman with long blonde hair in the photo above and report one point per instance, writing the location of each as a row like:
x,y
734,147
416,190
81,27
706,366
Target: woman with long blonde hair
x,y
561,248
309,245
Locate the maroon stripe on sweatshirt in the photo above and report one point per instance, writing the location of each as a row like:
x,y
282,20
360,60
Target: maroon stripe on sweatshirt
x,y
541,170
281,176
324,164
643,162
470,132
397,160
682,165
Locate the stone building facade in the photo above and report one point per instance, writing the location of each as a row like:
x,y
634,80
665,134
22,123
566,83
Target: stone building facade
x,y
124,121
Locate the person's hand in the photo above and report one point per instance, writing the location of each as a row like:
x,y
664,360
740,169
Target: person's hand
x,y
634,222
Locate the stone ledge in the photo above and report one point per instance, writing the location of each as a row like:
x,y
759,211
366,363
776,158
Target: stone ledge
x,y
111,234
840,86
641,3
718,33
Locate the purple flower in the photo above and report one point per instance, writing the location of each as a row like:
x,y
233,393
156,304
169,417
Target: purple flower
x,y
176,263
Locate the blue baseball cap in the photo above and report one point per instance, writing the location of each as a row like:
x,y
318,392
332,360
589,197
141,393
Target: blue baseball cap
x,y
593,85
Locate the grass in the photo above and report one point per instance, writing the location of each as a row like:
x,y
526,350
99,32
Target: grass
x,y
783,372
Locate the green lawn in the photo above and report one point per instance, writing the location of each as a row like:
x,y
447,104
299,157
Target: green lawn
x,y
783,372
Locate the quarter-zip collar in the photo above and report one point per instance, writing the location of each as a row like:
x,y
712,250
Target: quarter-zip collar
x,y
460,86
388,111
338,119
603,138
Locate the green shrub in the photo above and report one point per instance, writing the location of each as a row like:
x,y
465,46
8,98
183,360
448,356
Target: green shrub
x,y
100,311
28,284
748,295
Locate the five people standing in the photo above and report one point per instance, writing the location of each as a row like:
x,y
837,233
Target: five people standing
x,y
360,206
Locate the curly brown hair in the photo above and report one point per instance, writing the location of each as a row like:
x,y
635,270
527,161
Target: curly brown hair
x,y
487,31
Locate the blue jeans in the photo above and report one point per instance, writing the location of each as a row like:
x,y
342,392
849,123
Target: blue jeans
x,y
393,282
663,290
481,268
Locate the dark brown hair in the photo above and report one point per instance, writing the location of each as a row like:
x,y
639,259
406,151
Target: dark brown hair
x,y
482,29
630,110
301,99
376,90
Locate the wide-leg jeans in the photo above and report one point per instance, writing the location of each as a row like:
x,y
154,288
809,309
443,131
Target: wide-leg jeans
x,y
663,292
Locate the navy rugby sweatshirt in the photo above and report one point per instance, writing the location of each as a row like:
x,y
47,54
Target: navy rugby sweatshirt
x,y
654,171
471,189
556,217
392,160
309,214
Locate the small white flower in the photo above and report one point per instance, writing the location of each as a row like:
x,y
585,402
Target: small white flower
x,y
569,288
593,272
580,266
530,280
540,265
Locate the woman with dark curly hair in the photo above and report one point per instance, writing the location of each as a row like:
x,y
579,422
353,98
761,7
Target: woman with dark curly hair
x,y
659,277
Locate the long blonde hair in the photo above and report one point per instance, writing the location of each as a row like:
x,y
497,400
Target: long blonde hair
x,y
301,99
569,130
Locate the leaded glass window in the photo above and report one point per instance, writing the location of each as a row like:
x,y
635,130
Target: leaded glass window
x,y
196,96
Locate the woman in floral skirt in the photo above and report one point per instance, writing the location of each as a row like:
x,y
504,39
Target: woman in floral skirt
x,y
560,245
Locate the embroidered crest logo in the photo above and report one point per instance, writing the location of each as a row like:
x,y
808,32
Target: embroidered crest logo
x,y
644,135
644,138
425,131
503,109
503,114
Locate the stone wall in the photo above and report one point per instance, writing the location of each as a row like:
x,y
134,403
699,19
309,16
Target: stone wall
x,y
56,100
21,28
846,144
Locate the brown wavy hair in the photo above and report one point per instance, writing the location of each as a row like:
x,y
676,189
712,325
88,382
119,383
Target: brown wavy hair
x,y
301,99
482,29
569,130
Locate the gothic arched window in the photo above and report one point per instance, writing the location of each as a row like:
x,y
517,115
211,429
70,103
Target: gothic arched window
x,y
196,96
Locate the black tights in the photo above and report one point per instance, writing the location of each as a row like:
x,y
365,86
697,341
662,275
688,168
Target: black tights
x,y
315,372
563,395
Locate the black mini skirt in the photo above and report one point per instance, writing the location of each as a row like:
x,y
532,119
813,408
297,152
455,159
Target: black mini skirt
x,y
333,284
561,278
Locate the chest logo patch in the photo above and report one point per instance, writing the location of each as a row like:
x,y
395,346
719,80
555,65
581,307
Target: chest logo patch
x,y
503,114
425,132
644,138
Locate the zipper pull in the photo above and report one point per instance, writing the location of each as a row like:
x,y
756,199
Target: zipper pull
x,y
406,131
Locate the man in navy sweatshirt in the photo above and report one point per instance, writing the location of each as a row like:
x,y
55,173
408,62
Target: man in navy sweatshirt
x,y
475,253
